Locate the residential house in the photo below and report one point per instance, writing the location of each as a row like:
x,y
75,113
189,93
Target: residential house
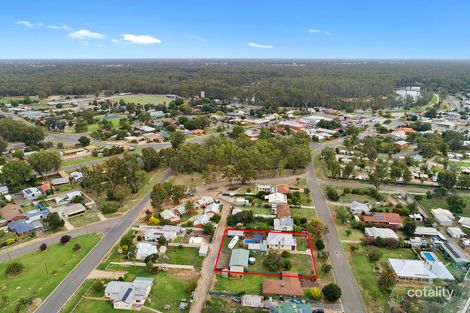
x,y
385,233
31,193
60,181
283,189
68,197
211,209
201,220
284,224
129,295
400,144
280,241
391,220
276,198
76,176
145,249
153,234
454,253
23,226
204,201
69,210
265,188
170,216
3,190
419,270
422,231
465,222
359,208
288,286
37,215
12,212
281,210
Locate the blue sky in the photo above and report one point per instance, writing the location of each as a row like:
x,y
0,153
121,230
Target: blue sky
x,y
234,29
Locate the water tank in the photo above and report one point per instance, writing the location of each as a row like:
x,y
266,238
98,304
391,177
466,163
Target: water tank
x,y
251,260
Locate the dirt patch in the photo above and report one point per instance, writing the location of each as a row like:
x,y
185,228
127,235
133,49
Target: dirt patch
x,y
186,274
98,274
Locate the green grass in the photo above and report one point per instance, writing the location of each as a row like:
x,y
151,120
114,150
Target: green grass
x,y
84,219
363,271
65,188
348,198
308,213
433,203
79,160
258,210
250,284
98,306
302,264
35,281
184,256
144,99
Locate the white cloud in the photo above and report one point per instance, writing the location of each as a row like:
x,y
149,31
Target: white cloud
x,y
140,39
257,45
59,27
85,34
29,24
197,37
318,31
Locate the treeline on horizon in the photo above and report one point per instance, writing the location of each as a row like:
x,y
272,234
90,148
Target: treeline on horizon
x,y
305,83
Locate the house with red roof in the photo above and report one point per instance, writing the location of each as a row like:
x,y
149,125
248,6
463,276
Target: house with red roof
x,y
390,220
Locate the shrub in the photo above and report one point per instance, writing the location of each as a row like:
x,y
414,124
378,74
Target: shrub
x,y
314,293
14,269
109,207
43,246
332,194
98,286
374,254
77,247
320,244
346,190
332,292
285,254
65,238
326,268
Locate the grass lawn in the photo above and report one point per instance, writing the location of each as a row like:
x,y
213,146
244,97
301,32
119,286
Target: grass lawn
x,y
356,234
98,306
301,264
429,204
73,301
34,281
84,219
185,256
363,271
250,284
187,179
258,210
169,288
65,188
348,198
79,160
308,213
143,99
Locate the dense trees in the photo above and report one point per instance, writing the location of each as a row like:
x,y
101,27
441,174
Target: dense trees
x,y
12,130
45,162
16,173
242,159
314,83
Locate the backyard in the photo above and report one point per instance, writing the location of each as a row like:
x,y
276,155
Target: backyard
x,y
44,270
250,284
434,202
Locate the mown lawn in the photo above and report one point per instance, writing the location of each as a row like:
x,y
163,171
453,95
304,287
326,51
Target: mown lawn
x,y
84,219
363,271
433,203
184,256
250,284
43,270
79,161
308,213
143,99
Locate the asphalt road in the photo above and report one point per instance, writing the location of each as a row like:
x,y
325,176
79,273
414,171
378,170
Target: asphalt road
x,y
351,296
74,280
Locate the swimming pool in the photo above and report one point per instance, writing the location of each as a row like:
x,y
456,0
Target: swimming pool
x,y
429,256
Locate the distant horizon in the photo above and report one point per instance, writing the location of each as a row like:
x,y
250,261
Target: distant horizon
x,y
237,59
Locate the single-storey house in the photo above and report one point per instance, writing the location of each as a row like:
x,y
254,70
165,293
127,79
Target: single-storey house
x,y
281,210
280,241
213,208
145,249
456,232
170,216
359,208
284,224
287,286
276,198
204,201
465,222
201,220
419,270
22,227
154,234
127,295
443,217
383,219
422,231
454,253
12,212
69,210
385,233
60,181
31,193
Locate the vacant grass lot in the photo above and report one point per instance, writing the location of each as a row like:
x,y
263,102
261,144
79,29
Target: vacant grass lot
x,y
43,270
250,284
84,219
308,213
144,99
184,256
442,203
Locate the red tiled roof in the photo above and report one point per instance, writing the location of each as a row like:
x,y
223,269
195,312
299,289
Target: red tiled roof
x,y
382,218
286,286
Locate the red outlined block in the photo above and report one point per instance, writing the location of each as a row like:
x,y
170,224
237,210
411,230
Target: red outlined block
x,y
298,234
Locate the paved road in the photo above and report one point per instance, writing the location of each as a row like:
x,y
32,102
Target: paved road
x,y
351,296
71,283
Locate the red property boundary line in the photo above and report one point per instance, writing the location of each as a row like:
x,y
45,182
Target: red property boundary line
x,y
303,234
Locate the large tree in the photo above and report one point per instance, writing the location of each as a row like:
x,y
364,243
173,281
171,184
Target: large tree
x,y
45,162
16,173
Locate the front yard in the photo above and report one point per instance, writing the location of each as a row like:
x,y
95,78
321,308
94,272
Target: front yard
x,y
44,270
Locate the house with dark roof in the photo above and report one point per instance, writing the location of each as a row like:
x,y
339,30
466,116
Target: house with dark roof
x,y
12,212
287,286
23,227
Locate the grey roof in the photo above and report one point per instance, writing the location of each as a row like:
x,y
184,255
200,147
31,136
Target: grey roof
x,y
129,292
420,269
60,181
239,257
455,253
281,239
